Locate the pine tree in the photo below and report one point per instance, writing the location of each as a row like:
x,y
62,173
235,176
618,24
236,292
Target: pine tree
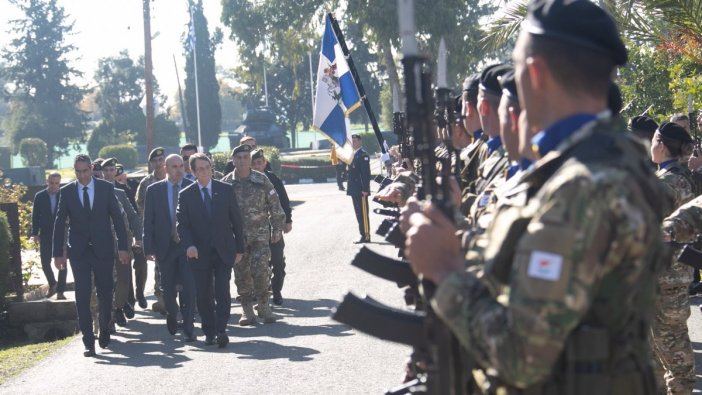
x,y
208,86
44,101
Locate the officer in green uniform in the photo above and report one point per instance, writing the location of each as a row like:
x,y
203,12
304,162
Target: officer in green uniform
x,y
575,244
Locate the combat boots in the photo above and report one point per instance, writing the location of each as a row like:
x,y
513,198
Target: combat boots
x,y
248,318
265,313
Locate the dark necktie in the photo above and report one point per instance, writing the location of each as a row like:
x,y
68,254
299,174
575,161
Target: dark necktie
x,y
86,200
174,230
208,200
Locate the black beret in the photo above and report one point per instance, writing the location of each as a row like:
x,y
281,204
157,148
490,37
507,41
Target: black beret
x,y
155,153
615,102
458,104
577,22
109,162
97,164
509,85
674,131
241,148
643,123
256,154
471,83
120,169
489,78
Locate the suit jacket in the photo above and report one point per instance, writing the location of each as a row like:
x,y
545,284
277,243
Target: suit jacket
x,y
359,174
157,219
43,219
222,231
86,229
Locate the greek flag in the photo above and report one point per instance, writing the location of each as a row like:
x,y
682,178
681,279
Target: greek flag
x,y
337,95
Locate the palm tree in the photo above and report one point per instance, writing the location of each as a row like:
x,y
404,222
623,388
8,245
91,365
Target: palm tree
x,y
675,25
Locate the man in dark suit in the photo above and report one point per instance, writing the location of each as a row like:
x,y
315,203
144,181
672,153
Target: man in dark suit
x,y
210,227
92,209
43,217
161,242
358,187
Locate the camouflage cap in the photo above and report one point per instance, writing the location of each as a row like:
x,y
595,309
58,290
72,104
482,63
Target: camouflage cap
x,y
246,138
241,148
155,153
256,154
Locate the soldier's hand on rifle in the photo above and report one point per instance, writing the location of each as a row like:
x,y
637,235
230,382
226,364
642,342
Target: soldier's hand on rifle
x,y
390,194
694,163
413,206
432,246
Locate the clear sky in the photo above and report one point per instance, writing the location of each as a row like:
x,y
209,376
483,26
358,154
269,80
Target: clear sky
x,y
105,27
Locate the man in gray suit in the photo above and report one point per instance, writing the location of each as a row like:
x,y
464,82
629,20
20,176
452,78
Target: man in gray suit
x,y
162,244
92,209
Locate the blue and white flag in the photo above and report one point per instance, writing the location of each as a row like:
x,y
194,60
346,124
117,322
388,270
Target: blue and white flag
x,y
337,95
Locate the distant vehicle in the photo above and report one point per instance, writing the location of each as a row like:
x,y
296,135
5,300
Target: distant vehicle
x,y
260,124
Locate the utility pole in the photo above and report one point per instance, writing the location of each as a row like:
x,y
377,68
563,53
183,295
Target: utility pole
x,y
148,78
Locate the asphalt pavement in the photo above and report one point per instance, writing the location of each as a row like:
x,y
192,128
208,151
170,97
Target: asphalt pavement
x,y
306,352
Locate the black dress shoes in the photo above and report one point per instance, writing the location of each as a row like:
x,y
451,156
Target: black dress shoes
x,y
209,340
189,338
128,310
104,339
222,340
118,318
89,351
142,301
51,292
172,324
278,300
60,296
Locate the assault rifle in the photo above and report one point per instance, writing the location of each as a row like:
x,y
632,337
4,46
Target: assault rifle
x,y
441,368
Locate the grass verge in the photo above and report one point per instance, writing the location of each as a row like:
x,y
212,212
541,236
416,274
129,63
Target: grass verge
x,y
15,358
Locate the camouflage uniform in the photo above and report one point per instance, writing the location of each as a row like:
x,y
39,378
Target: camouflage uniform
x,y
472,156
675,364
573,244
263,216
140,199
122,273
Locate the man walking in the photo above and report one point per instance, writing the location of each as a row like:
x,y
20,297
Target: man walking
x,y
162,244
43,217
210,228
92,209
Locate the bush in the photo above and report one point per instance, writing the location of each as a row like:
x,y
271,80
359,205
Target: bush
x,y
219,161
272,154
33,151
319,168
5,240
125,154
370,143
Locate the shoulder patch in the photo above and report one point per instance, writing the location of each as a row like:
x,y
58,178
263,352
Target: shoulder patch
x,y
366,158
272,192
545,265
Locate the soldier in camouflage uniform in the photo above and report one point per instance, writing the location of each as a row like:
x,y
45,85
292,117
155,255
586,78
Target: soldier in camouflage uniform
x,y
675,365
263,224
473,155
157,162
574,243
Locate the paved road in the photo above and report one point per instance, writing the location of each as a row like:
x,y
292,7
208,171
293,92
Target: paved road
x,y
305,353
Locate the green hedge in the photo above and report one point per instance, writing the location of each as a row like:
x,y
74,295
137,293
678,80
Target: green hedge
x,y
33,151
322,169
370,143
125,154
5,240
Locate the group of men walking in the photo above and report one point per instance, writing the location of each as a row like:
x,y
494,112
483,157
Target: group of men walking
x,y
196,228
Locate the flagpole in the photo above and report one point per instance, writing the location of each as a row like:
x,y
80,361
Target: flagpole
x,y
309,56
357,81
200,148
180,96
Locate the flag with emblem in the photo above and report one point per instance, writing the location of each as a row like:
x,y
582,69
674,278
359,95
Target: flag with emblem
x,y
337,95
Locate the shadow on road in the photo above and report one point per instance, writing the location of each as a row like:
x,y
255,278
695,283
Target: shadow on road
x,y
146,345
263,350
281,330
295,203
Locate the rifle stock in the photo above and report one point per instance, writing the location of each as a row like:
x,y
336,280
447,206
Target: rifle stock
x,y
386,268
381,321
